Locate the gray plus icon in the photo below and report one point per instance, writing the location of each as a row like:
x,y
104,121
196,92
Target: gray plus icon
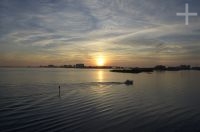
x,y
186,14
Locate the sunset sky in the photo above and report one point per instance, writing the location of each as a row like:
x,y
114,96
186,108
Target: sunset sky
x,y
98,32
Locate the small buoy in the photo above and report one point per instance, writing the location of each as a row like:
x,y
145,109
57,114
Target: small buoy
x,y
59,90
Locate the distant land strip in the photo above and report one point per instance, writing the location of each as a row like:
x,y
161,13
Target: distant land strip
x,y
116,68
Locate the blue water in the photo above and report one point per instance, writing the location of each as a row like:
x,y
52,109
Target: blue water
x,y
96,100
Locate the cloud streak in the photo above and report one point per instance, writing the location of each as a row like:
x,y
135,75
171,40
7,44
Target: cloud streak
x,y
132,32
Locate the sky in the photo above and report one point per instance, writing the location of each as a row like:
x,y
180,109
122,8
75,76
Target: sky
x,y
106,32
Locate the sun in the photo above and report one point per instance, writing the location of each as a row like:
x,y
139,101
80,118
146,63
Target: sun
x,y
100,61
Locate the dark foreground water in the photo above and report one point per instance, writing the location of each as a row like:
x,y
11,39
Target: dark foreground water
x,y
95,100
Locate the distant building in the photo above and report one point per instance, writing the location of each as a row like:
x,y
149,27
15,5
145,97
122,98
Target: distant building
x,y
79,65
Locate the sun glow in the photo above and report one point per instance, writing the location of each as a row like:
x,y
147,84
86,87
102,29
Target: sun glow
x,y
100,61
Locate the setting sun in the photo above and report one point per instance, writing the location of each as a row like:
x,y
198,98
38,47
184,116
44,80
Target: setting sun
x,y
100,61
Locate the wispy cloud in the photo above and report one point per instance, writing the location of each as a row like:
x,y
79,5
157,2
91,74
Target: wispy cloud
x,y
131,32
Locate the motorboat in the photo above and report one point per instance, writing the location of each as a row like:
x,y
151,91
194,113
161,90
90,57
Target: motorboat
x,y
128,82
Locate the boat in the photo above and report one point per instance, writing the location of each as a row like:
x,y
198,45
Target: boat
x,y
128,82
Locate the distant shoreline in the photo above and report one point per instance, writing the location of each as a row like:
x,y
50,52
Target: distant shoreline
x,y
156,68
149,70
117,68
90,67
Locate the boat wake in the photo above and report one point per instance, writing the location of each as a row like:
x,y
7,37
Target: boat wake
x,y
51,89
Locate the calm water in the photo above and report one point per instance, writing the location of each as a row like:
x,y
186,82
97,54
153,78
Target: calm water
x,y
95,100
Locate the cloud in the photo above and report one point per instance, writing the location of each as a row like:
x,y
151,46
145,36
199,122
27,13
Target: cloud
x,y
81,29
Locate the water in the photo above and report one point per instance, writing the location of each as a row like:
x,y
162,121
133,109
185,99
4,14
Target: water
x,y
96,100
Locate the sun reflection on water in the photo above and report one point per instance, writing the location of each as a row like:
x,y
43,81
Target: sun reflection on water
x,y
100,75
